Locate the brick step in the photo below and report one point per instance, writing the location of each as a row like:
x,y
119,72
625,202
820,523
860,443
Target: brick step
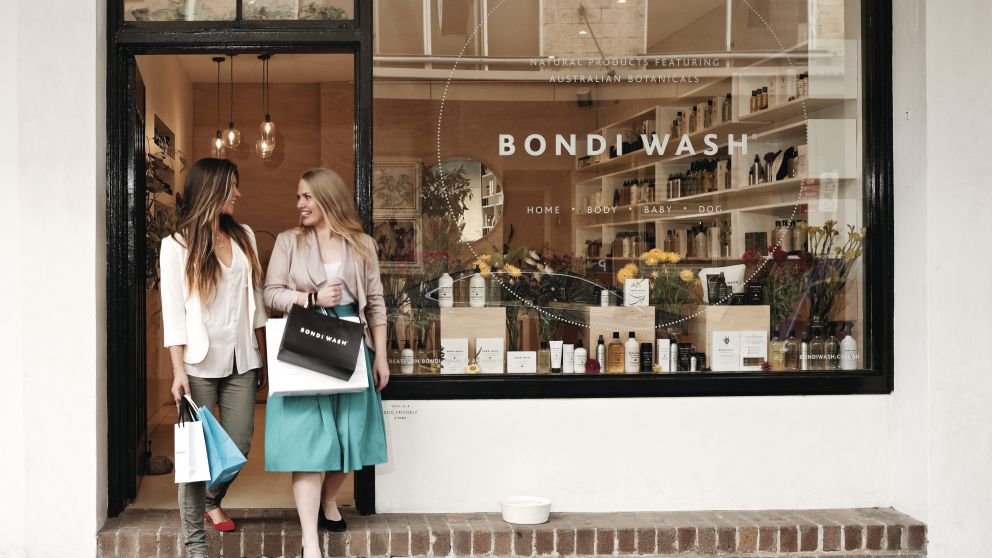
x,y
276,533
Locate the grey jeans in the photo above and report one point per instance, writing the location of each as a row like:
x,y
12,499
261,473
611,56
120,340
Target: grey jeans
x,y
234,396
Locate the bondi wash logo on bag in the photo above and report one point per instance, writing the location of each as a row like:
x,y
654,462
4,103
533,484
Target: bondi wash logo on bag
x,y
322,337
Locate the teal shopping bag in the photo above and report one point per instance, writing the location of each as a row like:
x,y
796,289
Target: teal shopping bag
x,y
225,458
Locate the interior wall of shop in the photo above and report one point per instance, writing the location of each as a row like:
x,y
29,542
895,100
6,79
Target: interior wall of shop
x,y
169,96
52,336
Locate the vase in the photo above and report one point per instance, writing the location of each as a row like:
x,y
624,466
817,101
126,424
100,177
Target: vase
x,y
512,328
494,291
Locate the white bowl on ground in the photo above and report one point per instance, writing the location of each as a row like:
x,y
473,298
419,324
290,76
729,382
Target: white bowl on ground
x,y
525,510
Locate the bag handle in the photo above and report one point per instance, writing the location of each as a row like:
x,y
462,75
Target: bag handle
x,y
187,407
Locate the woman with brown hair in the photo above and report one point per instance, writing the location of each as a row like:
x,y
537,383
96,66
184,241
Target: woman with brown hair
x,y
213,323
329,259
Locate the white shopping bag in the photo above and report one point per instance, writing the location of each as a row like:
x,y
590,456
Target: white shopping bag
x,y
192,464
289,379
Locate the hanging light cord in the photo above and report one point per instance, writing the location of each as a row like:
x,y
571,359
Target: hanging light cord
x,y
265,86
232,90
218,94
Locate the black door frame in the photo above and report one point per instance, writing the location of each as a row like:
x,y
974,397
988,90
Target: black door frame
x,y
125,194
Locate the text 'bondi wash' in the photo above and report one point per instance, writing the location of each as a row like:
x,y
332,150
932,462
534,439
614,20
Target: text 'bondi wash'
x,y
536,144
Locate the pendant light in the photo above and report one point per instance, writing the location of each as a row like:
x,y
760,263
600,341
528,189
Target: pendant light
x,y
266,144
217,143
232,137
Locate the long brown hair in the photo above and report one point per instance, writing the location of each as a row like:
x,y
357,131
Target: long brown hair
x,y
209,185
336,205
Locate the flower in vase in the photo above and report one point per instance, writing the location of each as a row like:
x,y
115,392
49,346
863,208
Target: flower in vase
x,y
751,257
687,276
672,257
513,270
484,269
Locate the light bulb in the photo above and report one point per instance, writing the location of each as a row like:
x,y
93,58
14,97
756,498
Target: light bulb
x,y
268,129
232,137
265,147
217,146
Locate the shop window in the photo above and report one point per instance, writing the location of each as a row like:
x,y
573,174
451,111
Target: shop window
x,y
737,247
180,10
226,10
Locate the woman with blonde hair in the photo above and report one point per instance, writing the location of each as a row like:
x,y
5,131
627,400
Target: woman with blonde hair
x,y
213,323
327,261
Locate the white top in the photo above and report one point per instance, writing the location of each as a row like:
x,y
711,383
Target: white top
x,y
332,271
229,326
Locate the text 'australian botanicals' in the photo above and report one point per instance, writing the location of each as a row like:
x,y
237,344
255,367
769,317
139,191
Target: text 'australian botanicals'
x,y
596,144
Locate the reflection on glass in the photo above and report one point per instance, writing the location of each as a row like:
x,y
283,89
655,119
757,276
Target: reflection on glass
x,y
299,9
691,197
180,10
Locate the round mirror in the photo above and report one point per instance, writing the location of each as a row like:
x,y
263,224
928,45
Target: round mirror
x,y
475,190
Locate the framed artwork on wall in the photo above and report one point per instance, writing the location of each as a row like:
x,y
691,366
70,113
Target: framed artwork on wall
x,y
399,243
395,188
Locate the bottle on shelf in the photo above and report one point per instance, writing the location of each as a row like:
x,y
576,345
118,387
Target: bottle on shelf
x,y
832,349
579,361
647,358
615,355
817,348
764,97
776,351
708,115
601,353
791,351
693,119
849,350
631,355
804,352
754,175
544,359
406,358
754,101
673,354
727,110
477,290
679,130
445,291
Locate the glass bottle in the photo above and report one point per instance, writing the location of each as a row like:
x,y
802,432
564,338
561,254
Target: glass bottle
x,y
832,348
728,109
792,351
614,355
776,352
708,114
817,348
544,359
693,120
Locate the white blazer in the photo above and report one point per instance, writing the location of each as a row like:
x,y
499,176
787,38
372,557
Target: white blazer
x,y
183,319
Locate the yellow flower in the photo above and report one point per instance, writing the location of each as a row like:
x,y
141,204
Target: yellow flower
x,y
488,258
686,276
672,257
484,269
513,270
650,259
628,271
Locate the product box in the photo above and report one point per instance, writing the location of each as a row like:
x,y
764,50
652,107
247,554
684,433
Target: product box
x,y
490,354
454,355
521,362
722,319
636,292
473,323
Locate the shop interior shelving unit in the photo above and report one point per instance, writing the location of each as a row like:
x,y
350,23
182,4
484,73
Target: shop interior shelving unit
x,y
824,120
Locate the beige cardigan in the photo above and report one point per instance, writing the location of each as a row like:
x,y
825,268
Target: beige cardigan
x,y
295,268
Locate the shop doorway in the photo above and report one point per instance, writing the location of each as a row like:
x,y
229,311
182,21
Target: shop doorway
x,y
186,99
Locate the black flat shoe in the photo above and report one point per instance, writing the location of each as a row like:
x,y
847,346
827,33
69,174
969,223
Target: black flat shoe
x,y
331,525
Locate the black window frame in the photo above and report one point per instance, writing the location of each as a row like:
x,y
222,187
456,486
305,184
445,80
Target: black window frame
x,y
124,221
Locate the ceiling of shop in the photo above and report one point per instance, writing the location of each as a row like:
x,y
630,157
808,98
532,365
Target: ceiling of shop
x,y
668,16
283,68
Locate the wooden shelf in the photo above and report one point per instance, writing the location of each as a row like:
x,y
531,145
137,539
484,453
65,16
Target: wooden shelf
x,y
801,107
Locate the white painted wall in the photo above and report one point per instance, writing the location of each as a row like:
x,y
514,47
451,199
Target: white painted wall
x,y
958,200
52,219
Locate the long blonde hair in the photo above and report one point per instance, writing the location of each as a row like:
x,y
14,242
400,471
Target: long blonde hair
x,y
335,202
208,187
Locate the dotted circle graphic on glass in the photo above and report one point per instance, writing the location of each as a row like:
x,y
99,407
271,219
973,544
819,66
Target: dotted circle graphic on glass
x,y
544,311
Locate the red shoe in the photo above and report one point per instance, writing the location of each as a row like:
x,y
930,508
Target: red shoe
x,y
223,526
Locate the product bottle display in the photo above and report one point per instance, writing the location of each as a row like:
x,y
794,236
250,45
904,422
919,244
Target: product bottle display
x,y
406,358
776,352
615,355
604,297
544,359
673,354
647,360
817,348
601,353
580,358
445,291
791,351
420,364
631,355
477,290
849,351
727,111
567,358
833,351
557,352
804,352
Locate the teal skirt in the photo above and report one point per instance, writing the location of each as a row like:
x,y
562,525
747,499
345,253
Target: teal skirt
x,y
338,432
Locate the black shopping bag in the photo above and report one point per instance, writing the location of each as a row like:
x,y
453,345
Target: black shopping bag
x,y
320,342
